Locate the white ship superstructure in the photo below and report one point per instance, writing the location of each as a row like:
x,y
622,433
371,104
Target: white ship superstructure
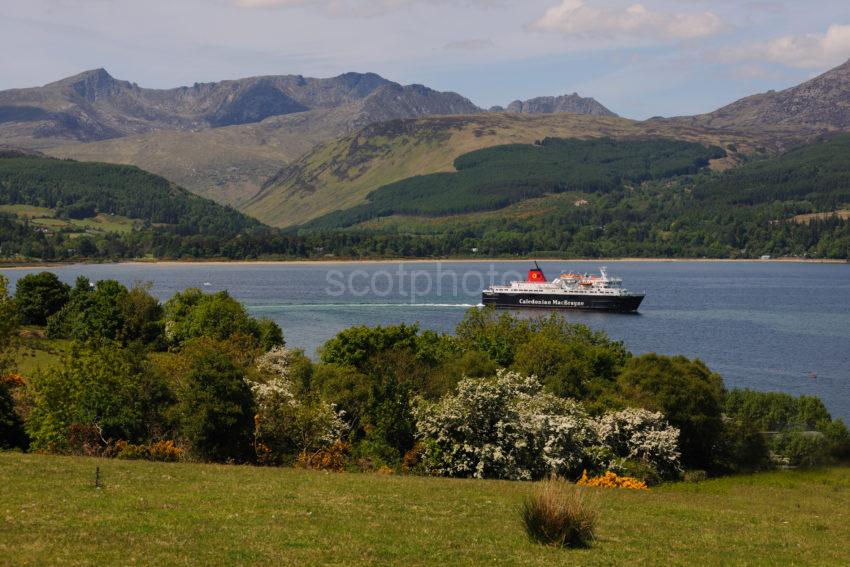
x,y
570,290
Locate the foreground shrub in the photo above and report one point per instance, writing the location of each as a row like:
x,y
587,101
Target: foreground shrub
x,y
288,424
775,411
695,476
503,427
333,458
162,451
637,436
612,480
558,514
741,448
803,448
12,435
194,314
790,419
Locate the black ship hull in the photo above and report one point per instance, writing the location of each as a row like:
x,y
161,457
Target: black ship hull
x,y
619,304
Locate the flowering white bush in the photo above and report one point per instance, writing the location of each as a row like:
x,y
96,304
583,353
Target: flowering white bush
x,y
503,427
286,423
638,435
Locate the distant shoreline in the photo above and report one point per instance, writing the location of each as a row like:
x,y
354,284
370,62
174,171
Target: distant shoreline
x,y
184,263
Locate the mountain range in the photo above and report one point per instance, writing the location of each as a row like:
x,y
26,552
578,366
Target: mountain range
x,y
94,106
222,140
288,148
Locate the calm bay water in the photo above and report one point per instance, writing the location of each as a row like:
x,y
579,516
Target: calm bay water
x,y
766,326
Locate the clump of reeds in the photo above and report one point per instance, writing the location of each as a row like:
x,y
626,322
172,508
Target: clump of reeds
x,y
558,513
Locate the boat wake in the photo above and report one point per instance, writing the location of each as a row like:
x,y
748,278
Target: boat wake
x,y
360,305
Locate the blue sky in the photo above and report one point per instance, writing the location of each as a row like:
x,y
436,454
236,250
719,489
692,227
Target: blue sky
x,y
639,58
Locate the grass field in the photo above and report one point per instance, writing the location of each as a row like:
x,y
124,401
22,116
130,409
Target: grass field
x,y
166,514
44,217
35,352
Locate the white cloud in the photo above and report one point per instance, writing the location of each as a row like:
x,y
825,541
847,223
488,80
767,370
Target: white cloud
x,y
804,51
581,19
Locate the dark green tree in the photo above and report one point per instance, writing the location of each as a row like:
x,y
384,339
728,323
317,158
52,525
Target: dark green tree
x,y
194,314
39,296
12,434
216,407
688,394
357,346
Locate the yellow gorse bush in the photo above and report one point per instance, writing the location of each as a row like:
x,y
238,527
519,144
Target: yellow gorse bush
x,y
612,480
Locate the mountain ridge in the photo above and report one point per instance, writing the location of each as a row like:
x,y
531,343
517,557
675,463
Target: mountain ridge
x,y
572,103
819,103
94,106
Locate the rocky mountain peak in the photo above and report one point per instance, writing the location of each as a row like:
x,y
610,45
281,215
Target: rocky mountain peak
x,y
573,103
91,85
822,102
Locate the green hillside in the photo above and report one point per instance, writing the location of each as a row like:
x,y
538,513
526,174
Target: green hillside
x,y
339,175
194,514
816,176
748,211
82,190
54,209
496,177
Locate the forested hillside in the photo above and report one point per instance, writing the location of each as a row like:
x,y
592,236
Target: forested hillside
x,y
80,190
634,204
744,212
496,177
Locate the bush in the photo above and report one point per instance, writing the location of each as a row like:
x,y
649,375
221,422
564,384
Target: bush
x,y
333,458
804,449
499,335
612,480
289,424
194,314
688,394
559,514
783,414
637,436
695,476
838,437
346,388
357,346
503,427
775,411
571,360
12,434
162,451
640,470
38,296
741,448
216,407
96,394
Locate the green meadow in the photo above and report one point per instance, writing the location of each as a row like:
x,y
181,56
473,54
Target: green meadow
x,y
198,514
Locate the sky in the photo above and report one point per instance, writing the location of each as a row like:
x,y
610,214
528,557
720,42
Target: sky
x,y
640,59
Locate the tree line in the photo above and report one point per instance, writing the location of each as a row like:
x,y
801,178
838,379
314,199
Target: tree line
x,y
746,212
198,378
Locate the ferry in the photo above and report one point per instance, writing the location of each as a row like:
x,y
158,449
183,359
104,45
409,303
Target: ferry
x,y
569,290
